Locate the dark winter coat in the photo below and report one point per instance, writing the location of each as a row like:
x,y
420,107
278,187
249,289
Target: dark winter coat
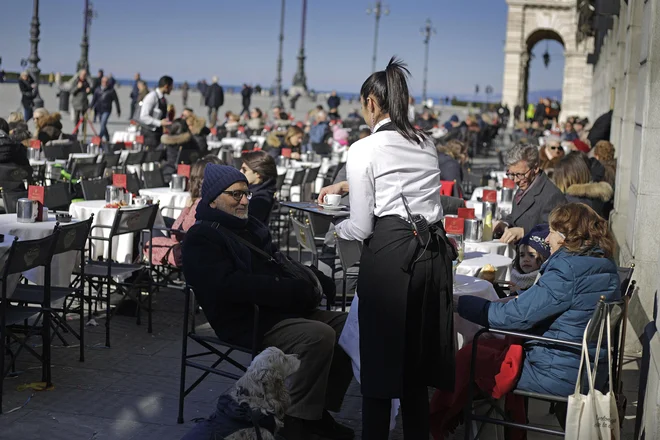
x,y
228,278
214,96
536,205
450,169
333,102
103,99
597,195
27,93
171,145
558,306
79,96
263,197
13,155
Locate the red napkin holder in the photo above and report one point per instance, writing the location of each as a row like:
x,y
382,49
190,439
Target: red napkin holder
x,y
508,183
36,144
214,131
489,195
38,193
96,140
455,225
119,180
139,139
128,145
183,170
466,213
286,152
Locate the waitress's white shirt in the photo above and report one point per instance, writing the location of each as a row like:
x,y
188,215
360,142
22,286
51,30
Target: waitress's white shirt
x,y
379,168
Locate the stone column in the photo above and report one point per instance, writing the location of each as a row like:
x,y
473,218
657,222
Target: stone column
x,y
575,98
619,32
624,145
642,240
513,59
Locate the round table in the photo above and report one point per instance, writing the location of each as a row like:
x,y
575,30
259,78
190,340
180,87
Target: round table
x,y
122,246
475,261
171,202
491,247
62,264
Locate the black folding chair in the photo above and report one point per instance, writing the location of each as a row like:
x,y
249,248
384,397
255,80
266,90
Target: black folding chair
x,y
71,238
133,184
134,158
153,156
111,159
94,189
23,256
87,170
213,347
10,198
14,173
57,197
249,145
153,178
107,273
616,307
61,149
187,157
77,161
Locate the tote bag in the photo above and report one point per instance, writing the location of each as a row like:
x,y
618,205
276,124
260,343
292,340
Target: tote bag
x,y
593,416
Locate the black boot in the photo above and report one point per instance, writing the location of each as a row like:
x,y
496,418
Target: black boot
x,y
327,427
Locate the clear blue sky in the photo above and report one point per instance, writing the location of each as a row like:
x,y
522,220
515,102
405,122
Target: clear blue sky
x,y
237,40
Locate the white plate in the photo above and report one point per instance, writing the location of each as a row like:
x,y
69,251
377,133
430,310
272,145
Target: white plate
x,y
331,207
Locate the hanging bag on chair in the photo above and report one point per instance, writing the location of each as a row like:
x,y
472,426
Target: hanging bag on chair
x,y
593,416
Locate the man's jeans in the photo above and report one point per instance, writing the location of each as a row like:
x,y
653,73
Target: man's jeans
x,y
104,126
27,113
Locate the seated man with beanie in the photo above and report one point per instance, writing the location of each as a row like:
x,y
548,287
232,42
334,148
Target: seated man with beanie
x,y
231,263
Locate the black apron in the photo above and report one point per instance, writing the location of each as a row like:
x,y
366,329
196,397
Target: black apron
x,y
405,311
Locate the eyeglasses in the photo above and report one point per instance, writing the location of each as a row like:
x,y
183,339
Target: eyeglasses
x,y
519,176
238,194
556,148
563,237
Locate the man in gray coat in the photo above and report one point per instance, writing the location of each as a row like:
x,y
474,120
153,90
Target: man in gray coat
x,y
537,196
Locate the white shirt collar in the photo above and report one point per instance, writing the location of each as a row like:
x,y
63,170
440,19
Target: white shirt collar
x,y
159,93
380,124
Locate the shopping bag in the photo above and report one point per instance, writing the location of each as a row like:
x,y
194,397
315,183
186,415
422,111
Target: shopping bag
x,y
593,416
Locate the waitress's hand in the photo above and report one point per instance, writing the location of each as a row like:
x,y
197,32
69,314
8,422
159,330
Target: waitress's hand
x,y
340,188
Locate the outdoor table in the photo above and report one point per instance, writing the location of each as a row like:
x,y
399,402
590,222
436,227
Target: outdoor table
x,y
315,208
62,264
473,262
122,245
491,247
171,202
503,207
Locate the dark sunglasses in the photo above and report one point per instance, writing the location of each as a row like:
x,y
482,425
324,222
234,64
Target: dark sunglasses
x,y
238,194
556,148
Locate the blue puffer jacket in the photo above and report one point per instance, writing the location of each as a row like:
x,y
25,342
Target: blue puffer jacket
x,y
558,306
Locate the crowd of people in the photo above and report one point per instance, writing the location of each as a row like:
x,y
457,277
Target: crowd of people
x,y
396,160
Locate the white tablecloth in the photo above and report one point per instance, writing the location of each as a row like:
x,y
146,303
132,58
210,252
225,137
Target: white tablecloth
x,y
464,285
174,200
475,261
491,247
122,245
62,264
13,280
123,136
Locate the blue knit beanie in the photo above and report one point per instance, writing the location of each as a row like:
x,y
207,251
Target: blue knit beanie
x,y
218,178
536,239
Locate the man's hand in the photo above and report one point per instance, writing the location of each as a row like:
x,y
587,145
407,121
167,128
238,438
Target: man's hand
x,y
512,235
295,156
340,188
165,122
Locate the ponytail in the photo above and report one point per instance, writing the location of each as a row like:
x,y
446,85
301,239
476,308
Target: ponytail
x,y
390,89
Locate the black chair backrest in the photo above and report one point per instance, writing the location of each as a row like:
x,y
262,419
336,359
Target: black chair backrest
x,y
340,167
111,159
153,178
14,173
328,178
61,149
129,220
10,198
73,237
94,189
298,177
625,276
57,196
28,254
238,163
187,157
249,145
279,182
134,158
133,184
87,170
151,156
311,175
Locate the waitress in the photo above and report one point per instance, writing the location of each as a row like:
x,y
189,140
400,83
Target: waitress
x,y
405,282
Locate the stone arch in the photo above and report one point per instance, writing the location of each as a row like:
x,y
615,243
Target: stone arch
x,y
530,21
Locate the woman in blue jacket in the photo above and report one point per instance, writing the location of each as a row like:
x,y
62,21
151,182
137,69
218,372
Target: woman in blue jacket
x,y
579,271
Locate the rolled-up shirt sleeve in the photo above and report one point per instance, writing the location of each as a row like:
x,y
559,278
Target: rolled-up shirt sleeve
x,y
149,102
362,193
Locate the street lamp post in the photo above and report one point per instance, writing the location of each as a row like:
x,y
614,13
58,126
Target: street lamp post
x,y
300,80
278,81
377,10
426,32
88,14
34,52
